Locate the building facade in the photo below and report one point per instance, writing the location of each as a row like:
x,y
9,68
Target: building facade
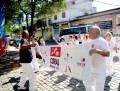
x,y
107,20
75,8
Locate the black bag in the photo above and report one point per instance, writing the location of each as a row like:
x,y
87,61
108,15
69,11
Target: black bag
x,y
38,55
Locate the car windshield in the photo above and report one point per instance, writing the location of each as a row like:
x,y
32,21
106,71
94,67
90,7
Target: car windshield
x,y
73,31
7,35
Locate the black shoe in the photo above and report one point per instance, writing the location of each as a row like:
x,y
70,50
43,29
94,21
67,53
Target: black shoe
x,y
36,72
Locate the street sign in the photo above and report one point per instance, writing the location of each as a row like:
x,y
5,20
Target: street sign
x,y
16,21
105,24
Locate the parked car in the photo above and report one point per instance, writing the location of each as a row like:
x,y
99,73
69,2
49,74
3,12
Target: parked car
x,y
8,37
11,42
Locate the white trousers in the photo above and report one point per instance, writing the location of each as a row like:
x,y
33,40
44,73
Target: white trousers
x,y
98,81
27,70
34,61
109,65
35,65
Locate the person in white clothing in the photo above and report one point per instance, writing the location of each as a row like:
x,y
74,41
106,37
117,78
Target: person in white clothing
x,y
25,60
41,41
111,45
75,38
85,38
71,40
117,45
35,50
62,41
99,51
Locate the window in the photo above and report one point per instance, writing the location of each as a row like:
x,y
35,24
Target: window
x,y
55,17
63,15
86,13
73,2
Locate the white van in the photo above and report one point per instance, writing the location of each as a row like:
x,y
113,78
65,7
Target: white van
x,y
65,33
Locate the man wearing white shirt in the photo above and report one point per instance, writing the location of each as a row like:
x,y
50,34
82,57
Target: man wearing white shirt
x,y
25,60
99,51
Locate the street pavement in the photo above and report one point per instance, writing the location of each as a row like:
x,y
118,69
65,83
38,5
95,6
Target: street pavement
x,y
50,80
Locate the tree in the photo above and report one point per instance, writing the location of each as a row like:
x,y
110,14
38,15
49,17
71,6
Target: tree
x,y
49,7
12,28
38,8
12,10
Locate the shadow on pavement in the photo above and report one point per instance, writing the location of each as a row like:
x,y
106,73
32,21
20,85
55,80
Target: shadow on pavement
x,y
118,87
76,84
107,87
15,87
50,73
5,71
60,79
12,80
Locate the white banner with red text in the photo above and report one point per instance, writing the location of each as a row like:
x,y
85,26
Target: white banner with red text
x,y
72,60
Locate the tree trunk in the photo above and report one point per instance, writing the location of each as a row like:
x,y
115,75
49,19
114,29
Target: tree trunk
x,y
32,16
42,32
27,20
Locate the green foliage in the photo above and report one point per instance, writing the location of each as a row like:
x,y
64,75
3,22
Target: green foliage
x,y
8,26
16,8
12,28
48,8
12,10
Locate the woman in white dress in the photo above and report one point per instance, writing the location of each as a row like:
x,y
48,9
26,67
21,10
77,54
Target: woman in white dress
x,y
85,38
111,45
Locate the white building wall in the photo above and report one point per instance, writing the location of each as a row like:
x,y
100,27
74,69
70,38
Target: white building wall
x,y
73,11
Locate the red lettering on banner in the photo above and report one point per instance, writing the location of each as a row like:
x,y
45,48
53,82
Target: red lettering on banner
x,y
55,51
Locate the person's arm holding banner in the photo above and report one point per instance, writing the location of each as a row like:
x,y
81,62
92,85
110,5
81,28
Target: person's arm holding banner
x,y
100,52
79,36
104,51
55,40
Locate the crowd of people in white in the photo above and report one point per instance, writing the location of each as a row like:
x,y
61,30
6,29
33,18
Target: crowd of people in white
x,y
102,52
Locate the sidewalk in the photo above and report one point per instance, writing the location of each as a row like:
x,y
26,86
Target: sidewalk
x,y
49,80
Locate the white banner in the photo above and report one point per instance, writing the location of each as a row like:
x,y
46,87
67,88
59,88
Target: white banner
x,y
72,60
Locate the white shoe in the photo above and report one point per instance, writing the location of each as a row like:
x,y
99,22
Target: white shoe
x,y
21,88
